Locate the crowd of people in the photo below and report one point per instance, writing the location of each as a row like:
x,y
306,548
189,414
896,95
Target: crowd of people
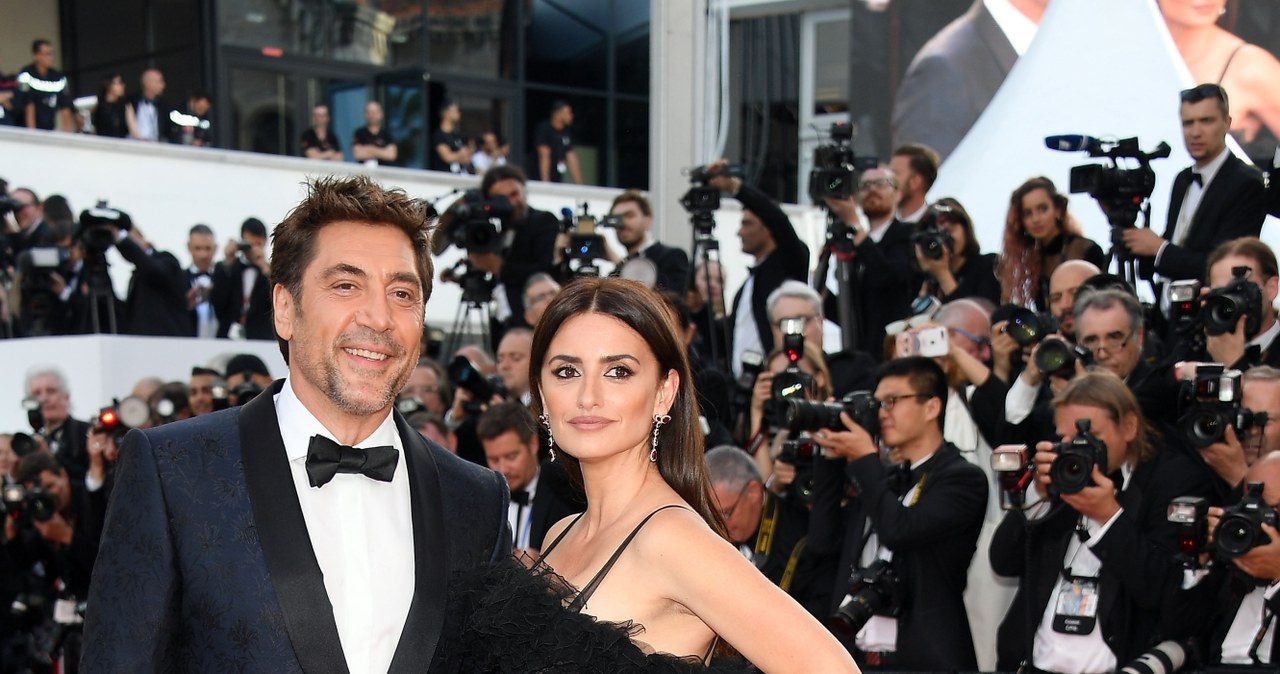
x,y
983,473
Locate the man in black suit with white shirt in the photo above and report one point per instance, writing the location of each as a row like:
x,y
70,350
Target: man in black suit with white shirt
x,y
541,493
1218,199
668,265
255,538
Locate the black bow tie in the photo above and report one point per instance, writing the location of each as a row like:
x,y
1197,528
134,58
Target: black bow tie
x,y
520,497
326,458
1197,178
900,478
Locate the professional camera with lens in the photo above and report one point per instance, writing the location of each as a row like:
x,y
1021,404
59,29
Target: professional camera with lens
x,y
1187,514
1072,470
8,205
1027,327
463,374
1240,527
874,590
586,244
792,382
245,391
805,415
800,452
27,504
931,237
1224,306
703,200
99,226
1119,190
835,166
121,416
1210,403
752,365
1056,357
474,223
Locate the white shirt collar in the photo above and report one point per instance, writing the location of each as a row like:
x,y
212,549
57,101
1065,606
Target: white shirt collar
x,y
877,233
298,424
1016,26
1267,337
914,216
1211,169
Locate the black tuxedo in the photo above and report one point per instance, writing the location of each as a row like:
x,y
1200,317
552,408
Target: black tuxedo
x,y
933,541
556,499
71,451
1234,205
1138,572
532,250
39,236
206,564
885,282
227,298
157,301
951,80
1204,613
672,265
788,261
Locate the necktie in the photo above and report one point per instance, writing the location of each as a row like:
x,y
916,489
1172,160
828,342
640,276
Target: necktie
x,y
326,458
1197,178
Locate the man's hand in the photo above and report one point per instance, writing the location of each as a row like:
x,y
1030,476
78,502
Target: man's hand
x,y
1044,457
1228,347
1142,241
487,262
1098,501
229,251
56,530
723,183
783,475
1262,562
761,391
1226,458
852,443
56,283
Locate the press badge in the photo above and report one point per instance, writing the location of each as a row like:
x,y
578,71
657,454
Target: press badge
x,y
1077,608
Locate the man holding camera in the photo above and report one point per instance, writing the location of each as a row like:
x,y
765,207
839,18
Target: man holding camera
x,y
66,535
924,516
157,303
668,265
1251,298
64,434
528,237
1096,552
202,246
1237,449
241,294
1218,199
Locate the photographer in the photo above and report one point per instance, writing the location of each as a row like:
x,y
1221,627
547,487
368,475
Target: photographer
x,y
806,378
157,301
768,528
528,240
947,252
669,265
241,294
64,434
882,252
768,236
1236,452
1251,341
1230,612
924,518
31,230
850,370
1097,560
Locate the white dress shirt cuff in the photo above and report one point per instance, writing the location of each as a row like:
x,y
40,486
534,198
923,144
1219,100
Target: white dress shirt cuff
x,y
91,483
1020,400
1161,252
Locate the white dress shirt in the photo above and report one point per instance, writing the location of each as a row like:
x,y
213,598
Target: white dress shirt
x,y
745,335
1245,626
146,119
1191,201
521,517
361,531
1016,26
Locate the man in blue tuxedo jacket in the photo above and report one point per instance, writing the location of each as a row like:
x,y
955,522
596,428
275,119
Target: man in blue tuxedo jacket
x,y
255,539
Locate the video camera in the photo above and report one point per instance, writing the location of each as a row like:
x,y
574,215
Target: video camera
x,y
1239,529
1210,403
99,226
1117,189
1072,470
463,374
703,200
474,223
835,166
586,244
1224,306
873,590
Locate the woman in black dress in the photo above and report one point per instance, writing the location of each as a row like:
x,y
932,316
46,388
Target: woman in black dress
x,y
112,116
1039,235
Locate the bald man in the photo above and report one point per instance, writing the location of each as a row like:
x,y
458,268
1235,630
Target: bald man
x,y
1064,282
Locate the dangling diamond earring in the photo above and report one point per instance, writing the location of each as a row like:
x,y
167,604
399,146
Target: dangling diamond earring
x,y
551,442
659,420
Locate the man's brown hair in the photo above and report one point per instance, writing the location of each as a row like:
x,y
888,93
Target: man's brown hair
x,y
350,199
1245,246
634,196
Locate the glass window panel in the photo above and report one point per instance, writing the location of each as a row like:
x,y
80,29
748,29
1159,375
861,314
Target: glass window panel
x,y
262,118
588,132
566,46
631,145
831,67
473,37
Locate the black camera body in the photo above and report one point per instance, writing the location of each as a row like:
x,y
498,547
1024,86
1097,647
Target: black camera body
x,y
1224,306
933,242
792,382
800,452
835,166
1210,403
805,415
475,222
1240,527
1056,357
1110,184
99,225
1027,327
463,374
25,505
873,590
1072,470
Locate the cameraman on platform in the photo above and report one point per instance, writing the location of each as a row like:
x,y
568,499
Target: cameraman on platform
x,y
768,236
1094,548
241,293
528,236
924,515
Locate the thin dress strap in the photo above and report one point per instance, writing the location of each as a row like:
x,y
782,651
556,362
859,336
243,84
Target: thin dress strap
x,y
1230,58
580,601
560,537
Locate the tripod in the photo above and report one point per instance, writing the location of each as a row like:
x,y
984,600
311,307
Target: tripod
x,y
477,293
848,304
1123,215
100,294
704,245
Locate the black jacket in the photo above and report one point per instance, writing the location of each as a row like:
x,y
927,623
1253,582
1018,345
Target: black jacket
x,y
1139,572
532,250
1233,206
933,541
886,280
227,297
672,265
555,499
1204,613
788,261
157,301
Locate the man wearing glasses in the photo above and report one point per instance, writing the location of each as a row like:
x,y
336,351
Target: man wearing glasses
x,y
924,515
884,282
1217,199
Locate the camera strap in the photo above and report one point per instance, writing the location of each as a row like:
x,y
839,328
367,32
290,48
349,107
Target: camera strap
x,y
768,527
788,574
